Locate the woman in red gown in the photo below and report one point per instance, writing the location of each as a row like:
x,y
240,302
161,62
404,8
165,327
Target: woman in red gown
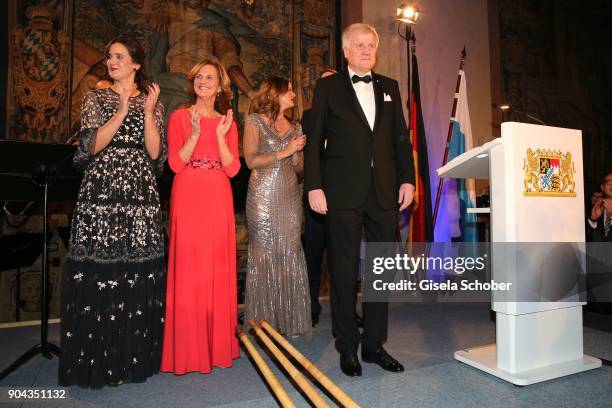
x,y
201,301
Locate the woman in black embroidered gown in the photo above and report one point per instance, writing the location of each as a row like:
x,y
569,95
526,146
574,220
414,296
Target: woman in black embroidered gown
x,y
114,282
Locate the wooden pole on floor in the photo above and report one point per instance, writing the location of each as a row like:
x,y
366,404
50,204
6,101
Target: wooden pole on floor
x,y
299,379
342,397
271,379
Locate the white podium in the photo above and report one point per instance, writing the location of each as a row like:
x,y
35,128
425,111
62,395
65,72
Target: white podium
x,y
536,190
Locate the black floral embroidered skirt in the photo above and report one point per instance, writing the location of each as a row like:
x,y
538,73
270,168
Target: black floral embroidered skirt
x,y
112,322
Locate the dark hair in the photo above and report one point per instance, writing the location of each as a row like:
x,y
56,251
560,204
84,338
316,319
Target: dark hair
x,y
138,57
223,101
266,101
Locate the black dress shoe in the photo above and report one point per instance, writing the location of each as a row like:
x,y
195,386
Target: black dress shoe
x,y
349,364
383,359
315,319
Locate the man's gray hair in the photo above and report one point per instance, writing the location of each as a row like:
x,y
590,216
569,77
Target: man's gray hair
x,y
351,29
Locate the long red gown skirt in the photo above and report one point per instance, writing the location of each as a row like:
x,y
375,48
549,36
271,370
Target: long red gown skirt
x,y
201,300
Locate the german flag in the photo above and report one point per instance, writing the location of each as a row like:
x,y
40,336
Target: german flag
x,y
421,225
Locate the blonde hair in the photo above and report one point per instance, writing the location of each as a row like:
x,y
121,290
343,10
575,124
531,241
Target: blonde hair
x,y
267,102
223,101
361,27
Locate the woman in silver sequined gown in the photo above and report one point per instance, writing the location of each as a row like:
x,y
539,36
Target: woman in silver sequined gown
x,y
277,282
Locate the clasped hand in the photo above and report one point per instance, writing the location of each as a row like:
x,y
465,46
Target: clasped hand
x,y
296,144
598,209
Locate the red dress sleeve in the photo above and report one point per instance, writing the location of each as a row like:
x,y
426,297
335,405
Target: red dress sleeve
x,y
232,143
176,138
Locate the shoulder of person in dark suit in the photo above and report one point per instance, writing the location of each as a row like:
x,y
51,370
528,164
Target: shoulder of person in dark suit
x,y
314,127
384,78
306,121
386,81
328,82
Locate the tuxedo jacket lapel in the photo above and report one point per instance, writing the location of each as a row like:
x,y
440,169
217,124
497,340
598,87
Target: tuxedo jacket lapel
x,y
354,101
378,97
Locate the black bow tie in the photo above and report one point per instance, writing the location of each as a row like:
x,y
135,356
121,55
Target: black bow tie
x,y
366,78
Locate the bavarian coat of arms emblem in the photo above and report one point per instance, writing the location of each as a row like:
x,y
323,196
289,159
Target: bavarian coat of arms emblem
x,y
549,172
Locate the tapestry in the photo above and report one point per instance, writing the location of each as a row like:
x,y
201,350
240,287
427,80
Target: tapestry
x,y
57,55
39,70
254,39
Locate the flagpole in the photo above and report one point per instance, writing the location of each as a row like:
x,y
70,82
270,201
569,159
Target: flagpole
x,y
410,48
449,136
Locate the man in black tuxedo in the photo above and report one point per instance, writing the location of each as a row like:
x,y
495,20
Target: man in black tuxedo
x,y
358,180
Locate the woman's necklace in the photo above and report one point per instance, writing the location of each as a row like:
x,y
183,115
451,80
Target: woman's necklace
x,y
279,124
135,91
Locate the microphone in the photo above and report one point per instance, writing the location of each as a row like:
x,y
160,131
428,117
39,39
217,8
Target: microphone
x,y
506,107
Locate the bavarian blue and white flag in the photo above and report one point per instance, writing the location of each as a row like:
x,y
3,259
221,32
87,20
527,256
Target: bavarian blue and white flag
x,y
461,142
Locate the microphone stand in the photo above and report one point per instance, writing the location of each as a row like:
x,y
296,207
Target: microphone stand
x,y
525,114
48,161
